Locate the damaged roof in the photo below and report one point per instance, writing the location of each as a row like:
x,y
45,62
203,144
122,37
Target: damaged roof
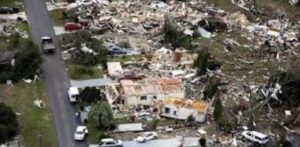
x,y
152,86
139,88
199,106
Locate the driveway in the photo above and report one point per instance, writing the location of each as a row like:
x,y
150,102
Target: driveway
x,y
54,76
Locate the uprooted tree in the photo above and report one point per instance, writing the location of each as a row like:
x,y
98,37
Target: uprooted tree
x,y
9,126
21,60
290,86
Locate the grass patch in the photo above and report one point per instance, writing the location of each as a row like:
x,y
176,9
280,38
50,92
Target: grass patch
x,y
23,27
8,3
3,43
93,134
57,17
34,121
81,72
124,59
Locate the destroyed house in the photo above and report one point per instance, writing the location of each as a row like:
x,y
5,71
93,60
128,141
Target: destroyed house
x,y
179,108
114,69
148,91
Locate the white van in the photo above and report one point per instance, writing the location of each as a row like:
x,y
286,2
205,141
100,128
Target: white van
x,y
73,93
255,136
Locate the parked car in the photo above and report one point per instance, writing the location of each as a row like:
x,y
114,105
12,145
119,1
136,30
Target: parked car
x,y
146,137
8,10
73,94
71,26
80,133
255,136
109,142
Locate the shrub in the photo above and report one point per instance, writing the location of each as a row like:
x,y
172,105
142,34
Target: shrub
x,y
190,119
201,62
9,126
211,87
91,95
101,116
218,110
153,124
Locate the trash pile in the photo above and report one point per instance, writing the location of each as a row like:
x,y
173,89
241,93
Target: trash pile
x,y
8,28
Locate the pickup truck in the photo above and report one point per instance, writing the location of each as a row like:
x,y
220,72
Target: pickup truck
x,y
47,44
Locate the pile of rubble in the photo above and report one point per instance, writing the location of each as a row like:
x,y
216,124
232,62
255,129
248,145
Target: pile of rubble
x,y
8,28
272,38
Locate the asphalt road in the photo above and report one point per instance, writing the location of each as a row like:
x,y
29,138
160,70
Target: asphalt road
x,y
54,76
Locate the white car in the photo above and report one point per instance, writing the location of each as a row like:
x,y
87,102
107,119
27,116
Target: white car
x,y
80,133
255,136
109,142
73,94
146,137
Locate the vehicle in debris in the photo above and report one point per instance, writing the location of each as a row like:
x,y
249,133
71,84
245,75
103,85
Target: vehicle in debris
x,y
47,44
109,142
255,136
73,94
115,50
8,10
146,137
71,26
80,133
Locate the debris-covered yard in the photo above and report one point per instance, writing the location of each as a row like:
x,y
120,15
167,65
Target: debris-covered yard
x,y
226,65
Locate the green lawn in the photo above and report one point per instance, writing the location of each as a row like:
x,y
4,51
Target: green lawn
x,y
93,134
34,121
8,2
22,27
123,59
57,17
3,44
81,72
